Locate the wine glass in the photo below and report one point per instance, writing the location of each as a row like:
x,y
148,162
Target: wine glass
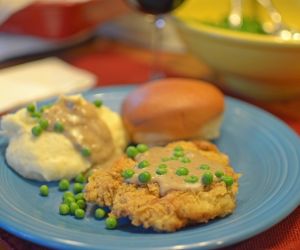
x,y
155,9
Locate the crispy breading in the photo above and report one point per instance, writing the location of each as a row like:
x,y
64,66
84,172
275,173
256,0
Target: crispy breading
x,y
144,205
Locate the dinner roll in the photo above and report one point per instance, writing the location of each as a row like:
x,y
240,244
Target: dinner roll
x,y
171,109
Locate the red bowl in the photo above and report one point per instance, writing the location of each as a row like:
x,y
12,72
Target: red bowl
x,y
60,20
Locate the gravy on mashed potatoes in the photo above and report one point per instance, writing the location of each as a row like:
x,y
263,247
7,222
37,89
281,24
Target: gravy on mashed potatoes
x,y
56,155
83,127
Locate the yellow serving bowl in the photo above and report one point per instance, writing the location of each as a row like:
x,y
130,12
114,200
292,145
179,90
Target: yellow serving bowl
x,y
263,67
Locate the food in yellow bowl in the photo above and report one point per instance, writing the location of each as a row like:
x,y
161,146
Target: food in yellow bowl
x,y
62,140
261,67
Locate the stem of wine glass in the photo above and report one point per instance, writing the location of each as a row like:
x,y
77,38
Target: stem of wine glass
x,y
156,46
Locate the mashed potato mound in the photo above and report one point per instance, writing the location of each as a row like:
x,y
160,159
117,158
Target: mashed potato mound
x,y
51,156
115,125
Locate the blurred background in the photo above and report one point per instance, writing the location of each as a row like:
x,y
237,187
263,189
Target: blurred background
x,y
249,48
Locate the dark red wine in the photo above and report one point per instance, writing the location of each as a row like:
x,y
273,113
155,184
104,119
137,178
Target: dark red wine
x,y
155,7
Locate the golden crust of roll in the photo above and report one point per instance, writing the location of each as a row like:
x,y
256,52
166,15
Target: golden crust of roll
x,y
172,109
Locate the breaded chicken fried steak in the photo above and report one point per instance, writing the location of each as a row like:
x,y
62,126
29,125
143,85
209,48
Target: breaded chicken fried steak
x,y
167,188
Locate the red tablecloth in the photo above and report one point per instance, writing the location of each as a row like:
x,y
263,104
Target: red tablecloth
x,y
115,67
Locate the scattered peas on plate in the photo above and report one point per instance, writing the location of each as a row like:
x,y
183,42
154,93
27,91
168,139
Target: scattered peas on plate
x,y
142,148
85,152
144,177
64,209
44,190
132,151
143,164
37,130
30,108
182,171
99,213
98,103
80,178
79,213
207,178
63,185
73,202
58,127
78,187
73,206
111,222
127,173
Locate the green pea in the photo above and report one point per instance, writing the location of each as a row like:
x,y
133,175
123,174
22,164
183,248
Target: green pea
x,y
207,178
178,153
161,171
228,180
131,151
73,207
64,209
81,204
77,188
67,194
63,185
79,213
88,174
219,173
85,152
182,171
191,179
36,115
59,127
43,108
111,222
127,173
79,196
98,103
44,190
142,148
204,167
144,177
178,148
185,160
164,159
162,166
30,108
37,130
68,200
43,123
80,178
143,164
99,213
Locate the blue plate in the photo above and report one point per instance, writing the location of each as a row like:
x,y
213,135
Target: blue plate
x,y
261,147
